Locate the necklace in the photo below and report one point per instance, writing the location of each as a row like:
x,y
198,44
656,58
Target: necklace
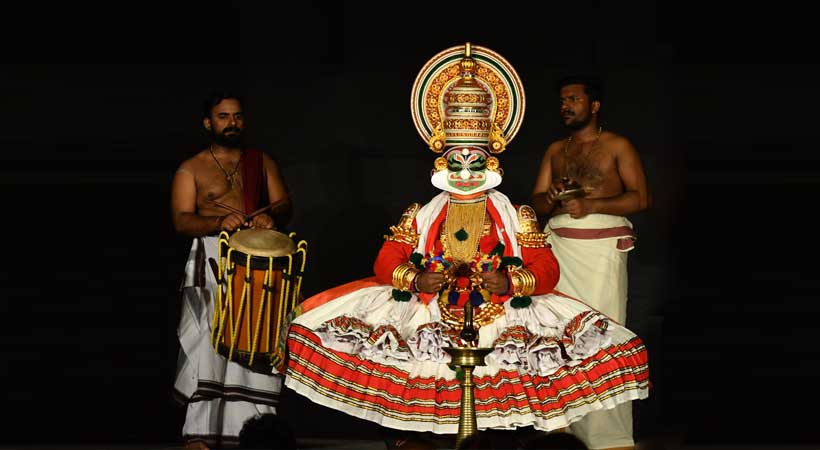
x,y
567,177
464,225
228,176
594,143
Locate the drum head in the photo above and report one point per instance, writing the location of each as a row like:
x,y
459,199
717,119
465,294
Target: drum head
x,y
260,242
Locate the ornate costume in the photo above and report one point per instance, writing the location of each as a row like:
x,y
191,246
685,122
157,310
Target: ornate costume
x,y
374,348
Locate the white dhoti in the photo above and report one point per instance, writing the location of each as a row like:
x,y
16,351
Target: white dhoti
x,y
592,256
220,395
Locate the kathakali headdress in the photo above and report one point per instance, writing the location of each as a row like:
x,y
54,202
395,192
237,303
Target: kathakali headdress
x,y
467,104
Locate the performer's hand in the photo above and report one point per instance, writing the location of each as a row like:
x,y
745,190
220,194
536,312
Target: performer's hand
x,y
576,208
262,221
429,282
231,222
495,282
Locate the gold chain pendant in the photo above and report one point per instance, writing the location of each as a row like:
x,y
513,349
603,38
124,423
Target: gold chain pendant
x,y
464,218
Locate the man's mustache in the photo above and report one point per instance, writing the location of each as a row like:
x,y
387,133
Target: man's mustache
x,y
231,129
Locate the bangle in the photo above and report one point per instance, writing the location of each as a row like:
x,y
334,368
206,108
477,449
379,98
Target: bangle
x,y
404,275
523,282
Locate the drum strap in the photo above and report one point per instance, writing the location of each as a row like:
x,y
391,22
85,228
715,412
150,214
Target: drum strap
x,y
290,276
215,270
253,179
285,277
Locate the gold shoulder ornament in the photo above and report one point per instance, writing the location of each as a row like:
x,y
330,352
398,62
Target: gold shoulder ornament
x,y
405,232
530,236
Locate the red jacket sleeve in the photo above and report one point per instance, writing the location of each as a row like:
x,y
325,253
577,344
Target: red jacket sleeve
x,y
542,263
390,256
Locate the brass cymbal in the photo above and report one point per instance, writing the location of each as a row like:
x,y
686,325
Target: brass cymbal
x,y
570,194
261,242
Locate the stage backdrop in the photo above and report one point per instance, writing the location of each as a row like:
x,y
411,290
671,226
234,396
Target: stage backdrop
x,y
97,117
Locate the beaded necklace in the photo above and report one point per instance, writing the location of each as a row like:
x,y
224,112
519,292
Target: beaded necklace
x,y
228,176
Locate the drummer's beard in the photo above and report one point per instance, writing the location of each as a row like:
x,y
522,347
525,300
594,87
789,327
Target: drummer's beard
x,y
228,137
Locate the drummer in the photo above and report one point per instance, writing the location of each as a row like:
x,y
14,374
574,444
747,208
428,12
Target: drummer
x,y
223,187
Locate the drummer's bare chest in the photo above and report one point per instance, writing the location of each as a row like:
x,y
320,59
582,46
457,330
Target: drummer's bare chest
x,y
213,185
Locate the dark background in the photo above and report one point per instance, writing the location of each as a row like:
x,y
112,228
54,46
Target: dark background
x,y
100,105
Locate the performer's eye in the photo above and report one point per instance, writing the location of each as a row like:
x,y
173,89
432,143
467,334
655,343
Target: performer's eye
x,y
478,165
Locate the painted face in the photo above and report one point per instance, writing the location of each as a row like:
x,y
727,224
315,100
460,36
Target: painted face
x,y
466,172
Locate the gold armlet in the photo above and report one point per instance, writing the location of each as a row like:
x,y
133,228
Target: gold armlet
x,y
403,276
532,240
404,232
530,236
523,281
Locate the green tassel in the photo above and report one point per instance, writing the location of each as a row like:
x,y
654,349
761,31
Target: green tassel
x,y
462,235
460,375
520,302
498,250
415,258
401,296
511,261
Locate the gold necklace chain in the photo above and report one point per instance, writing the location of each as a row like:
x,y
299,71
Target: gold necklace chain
x,y
566,150
569,139
228,176
466,218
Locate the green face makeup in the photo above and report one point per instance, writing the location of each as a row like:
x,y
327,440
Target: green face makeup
x,y
466,170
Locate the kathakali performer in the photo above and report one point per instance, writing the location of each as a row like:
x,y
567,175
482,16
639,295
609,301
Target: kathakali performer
x,y
373,348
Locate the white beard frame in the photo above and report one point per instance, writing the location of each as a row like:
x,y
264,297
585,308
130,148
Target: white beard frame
x,y
439,180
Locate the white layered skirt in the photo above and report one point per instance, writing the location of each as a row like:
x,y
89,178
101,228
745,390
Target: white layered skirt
x,y
382,360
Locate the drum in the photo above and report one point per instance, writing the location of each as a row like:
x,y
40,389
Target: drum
x,y
258,285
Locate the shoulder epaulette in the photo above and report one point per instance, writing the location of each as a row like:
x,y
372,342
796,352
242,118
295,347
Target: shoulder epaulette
x,y
405,232
530,234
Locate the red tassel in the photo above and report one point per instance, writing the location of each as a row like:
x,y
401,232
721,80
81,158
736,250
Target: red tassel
x,y
463,298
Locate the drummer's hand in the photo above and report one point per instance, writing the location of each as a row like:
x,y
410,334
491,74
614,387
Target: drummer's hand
x,y
232,222
262,221
495,282
429,282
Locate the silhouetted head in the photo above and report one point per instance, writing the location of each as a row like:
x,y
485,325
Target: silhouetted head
x,y
266,431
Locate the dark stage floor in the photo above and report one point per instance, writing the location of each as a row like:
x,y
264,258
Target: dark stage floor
x,y
330,444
